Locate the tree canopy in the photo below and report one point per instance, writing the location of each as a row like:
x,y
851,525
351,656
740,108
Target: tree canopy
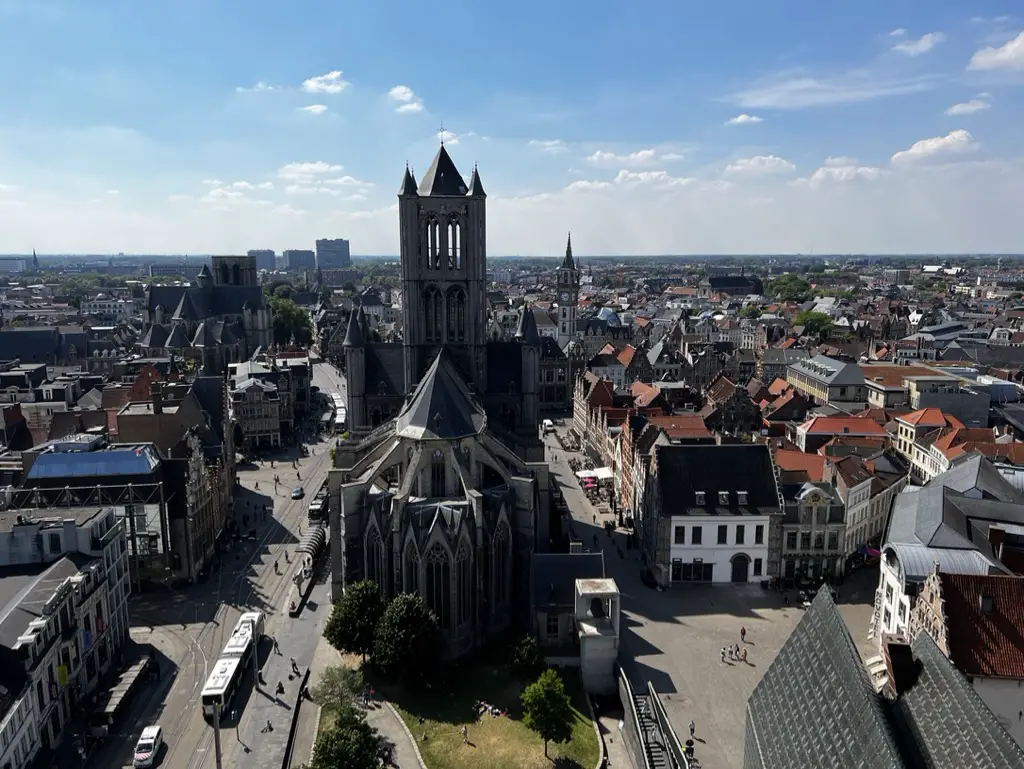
x,y
408,642
814,323
354,618
789,288
547,710
350,742
290,320
527,661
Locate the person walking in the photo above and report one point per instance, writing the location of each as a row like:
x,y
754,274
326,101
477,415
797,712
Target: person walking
x,y
723,654
693,728
743,634
743,654
465,735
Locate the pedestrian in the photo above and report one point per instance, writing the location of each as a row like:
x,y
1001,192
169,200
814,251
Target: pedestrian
x,y
736,651
723,654
277,649
268,728
465,735
743,634
743,654
693,728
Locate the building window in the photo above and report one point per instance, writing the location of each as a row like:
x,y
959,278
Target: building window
x,y
759,534
696,535
375,557
723,534
805,540
463,567
438,477
700,497
833,540
552,626
412,569
454,244
438,577
55,543
819,541
791,540
723,498
433,244
680,535
456,315
740,534
741,498
502,560
758,565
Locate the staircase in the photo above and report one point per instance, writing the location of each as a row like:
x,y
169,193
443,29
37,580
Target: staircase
x,y
650,735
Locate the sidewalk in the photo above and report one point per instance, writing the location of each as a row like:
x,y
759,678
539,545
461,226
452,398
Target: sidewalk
x,y
378,715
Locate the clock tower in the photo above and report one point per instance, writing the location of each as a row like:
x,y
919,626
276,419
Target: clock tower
x,y
568,296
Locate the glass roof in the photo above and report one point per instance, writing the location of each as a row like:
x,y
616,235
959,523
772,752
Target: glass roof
x,y
136,460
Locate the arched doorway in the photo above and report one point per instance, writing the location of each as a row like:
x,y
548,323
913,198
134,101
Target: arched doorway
x,y
740,567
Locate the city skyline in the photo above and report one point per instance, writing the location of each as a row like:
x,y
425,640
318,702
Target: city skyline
x,y
735,130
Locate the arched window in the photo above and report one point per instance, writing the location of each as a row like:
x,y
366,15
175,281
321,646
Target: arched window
x,y
375,558
456,305
235,272
432,314
438,475
433,238
411,569
501,560
464,570
454,244
438,577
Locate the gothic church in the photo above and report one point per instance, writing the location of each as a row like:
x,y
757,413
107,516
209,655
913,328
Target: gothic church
x,y
441,487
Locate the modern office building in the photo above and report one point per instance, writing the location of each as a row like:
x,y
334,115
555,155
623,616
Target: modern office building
x,y
333,253
299,259
265,258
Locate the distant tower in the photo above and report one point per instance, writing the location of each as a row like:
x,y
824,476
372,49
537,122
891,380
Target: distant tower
x,y
444,270
35,261
568,295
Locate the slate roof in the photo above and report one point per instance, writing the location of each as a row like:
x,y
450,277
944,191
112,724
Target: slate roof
x,y
442,178
554,577
830,371
408,186
441,406
354,334
476,187
977,473
985,643
385,369
685,470
815,706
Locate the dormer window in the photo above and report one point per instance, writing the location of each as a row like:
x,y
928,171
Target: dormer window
x,y
723,498
700,498
741,498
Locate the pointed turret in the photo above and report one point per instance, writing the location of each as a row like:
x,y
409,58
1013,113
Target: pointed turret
x,y
408,184
568,263
476,187
527,331
442,178
354,335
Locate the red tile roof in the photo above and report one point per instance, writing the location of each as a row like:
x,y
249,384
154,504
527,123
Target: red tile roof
x,y
930,417
626,355
985,644
842,426
779,386
799,462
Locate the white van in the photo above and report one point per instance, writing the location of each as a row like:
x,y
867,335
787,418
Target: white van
x,y
548,425
148,746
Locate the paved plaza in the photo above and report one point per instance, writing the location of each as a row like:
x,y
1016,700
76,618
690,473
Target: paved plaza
x,y
673,638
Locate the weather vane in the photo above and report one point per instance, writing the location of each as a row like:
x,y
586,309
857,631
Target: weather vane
x,y
440,133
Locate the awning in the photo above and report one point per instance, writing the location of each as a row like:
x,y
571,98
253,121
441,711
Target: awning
x,y
586,474
313,541
603,473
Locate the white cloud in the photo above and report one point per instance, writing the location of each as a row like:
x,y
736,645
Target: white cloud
x,y
956,142
582,185
759,165
448,137
839,160
979,103
408,101
744,118
839,174
348,181
922,45
660,179
1008,56
212,182
314,109
551,146
799,91
640,158
260,86
113,192
306,189
265,186
900,32
307,171
332,82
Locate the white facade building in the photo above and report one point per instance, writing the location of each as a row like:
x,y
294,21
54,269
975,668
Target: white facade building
x,y
715,544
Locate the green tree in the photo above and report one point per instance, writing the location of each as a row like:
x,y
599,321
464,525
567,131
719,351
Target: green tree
x,y
814,323
290,320
408,642
351,743
339,688
751,311
789,288
527,660
355,617
547,710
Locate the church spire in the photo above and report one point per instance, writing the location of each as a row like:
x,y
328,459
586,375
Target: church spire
x,y
567,263
408,183
476,187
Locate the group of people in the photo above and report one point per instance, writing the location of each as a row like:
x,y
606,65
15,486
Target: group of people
x,y
736,652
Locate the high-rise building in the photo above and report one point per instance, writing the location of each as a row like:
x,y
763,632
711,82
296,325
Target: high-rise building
x,y
299,259
264,258
332,253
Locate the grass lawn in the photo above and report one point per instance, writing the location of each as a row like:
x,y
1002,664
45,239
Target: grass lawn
x,y
501,742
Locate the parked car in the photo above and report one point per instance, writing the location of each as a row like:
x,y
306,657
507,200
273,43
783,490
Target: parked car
x,y
298,493
148,746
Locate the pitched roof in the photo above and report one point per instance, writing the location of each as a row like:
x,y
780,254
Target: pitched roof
x,y
811,465
985,643
441,406
476,187
408,186
684,470
442,178
354,334
841,426
930,417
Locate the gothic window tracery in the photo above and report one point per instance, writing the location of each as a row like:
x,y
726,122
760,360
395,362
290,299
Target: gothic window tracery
x,y
456,315
375,557
433,238
454,244
411,576
438,577
432,314
501,560
438,475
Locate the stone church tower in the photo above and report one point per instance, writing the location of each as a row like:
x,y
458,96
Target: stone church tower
x,y
568,296
444,274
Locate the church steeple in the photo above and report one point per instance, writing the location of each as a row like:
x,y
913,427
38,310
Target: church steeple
x,y
408,183
476,187
568,263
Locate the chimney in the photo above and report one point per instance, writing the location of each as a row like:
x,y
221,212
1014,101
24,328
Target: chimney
x,y
158,397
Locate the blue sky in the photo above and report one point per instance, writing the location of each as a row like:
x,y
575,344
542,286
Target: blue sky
x,y
661,127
